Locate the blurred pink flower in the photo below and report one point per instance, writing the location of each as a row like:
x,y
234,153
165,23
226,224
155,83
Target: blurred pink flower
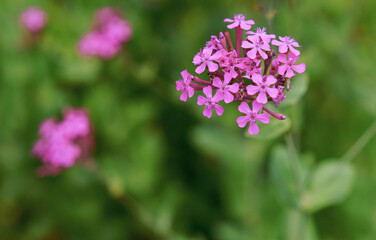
x,y
62,144
34,19
107,37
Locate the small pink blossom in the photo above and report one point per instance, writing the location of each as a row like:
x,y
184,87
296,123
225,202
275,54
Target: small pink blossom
x,y
225,91
286,43
274,67
257,46
210,102
107,37
251,116
228,62
260,33
214,43
62,144
33,19
289,65
263,87
239,21
183,85
205,59
280,96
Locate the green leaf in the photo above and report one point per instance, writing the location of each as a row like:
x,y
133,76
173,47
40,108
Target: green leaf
x,y
272,130
219,141
330,184
282,175
300,226
299,86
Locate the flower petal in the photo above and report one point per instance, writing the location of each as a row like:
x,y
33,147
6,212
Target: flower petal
x,y
252,90
200,69
234,88
261,98
191,91
270,80
218,109
184,95
263,117
276,43
207,111
300,68
256,107
293,50
228,97
207,91
246,44
283,48
201,100
282,58
282,69
257,78
242,121
273,92
233,25
179,85
253,128
212,66
244,108
217,82
289,73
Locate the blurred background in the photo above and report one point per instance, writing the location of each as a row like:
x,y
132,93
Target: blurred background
x,y
169,172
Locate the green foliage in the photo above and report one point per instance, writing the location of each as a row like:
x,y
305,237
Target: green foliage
x,y
331,183
163,171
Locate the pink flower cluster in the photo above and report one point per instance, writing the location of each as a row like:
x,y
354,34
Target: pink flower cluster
x,y
108,35
250,73
62,144
33,19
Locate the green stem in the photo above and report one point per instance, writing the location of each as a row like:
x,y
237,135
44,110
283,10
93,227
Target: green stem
x,y
294,162
360,144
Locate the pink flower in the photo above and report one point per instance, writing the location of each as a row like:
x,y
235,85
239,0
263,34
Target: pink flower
x,y
183,84
33,19
263,87
251,116
257,47
239,20
205,59
214,43
229,62
107,37
274,67
210,103
118,31
280,96
62,144
225,90
286,44
98,44
260,33
289,65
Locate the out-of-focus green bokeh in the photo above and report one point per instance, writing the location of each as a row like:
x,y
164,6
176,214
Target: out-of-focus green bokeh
x,y
190,177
